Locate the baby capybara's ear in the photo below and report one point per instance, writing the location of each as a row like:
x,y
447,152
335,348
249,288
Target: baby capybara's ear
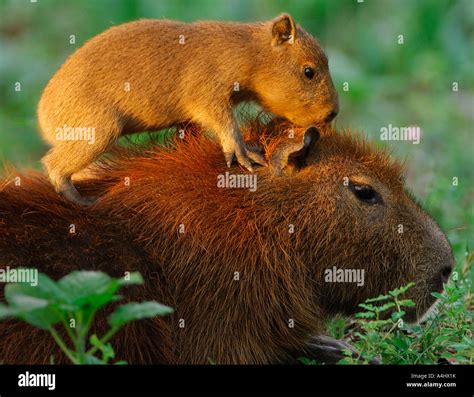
x,y
294,151
283,30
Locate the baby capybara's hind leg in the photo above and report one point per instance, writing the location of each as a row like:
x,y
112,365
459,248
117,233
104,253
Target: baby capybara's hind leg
x,y
67,158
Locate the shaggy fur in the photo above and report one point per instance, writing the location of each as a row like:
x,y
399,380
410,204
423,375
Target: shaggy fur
x,y
135,226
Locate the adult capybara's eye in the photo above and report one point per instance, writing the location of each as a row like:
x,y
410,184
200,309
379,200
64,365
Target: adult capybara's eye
x,y
308,72
365,193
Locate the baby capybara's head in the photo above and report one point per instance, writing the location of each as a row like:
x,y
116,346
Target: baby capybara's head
x,y
292,75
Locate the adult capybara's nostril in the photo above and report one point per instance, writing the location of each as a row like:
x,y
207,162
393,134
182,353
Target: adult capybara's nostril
x,y
445,273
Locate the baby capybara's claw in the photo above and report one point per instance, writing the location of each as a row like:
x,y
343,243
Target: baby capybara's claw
x,y
244,156
256,157
71,194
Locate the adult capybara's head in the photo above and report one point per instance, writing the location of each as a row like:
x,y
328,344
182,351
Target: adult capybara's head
x,y
292,76
357,218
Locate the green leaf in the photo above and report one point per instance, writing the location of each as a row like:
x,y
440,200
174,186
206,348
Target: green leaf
x,y
346,360
406,303
24,303
378,298
79,284
105,348
136,311
6,312
460,346
399,342
303,360
440,296
94,340
397,315
28,305
49,289
367,307
134,278
88,288
12,290
401,290
46,289
447,355
92,360
441,338
347,352
379,323
385,307
365,315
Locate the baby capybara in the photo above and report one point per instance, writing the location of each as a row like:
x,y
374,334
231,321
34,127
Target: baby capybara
x,y
151,74
244,268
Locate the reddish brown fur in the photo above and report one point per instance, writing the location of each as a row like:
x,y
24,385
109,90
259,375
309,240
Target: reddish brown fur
x,y
226,230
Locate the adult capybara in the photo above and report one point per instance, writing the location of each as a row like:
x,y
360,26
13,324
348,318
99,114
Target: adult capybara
x,y
244,267
150,74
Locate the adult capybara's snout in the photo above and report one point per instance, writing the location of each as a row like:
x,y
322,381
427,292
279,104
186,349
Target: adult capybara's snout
x,y
378,236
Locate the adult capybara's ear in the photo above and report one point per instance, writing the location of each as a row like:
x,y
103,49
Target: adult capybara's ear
x,y
294,151
283,30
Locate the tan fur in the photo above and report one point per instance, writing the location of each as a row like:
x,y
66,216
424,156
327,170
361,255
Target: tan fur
x,y
173,83
135,227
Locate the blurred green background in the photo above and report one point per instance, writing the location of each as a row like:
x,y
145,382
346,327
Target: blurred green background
x,y
389,83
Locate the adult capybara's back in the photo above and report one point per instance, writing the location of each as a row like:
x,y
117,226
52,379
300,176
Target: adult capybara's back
x,y
242,261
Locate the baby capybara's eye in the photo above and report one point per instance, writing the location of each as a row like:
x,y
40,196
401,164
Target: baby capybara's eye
x,y
365,193
308,72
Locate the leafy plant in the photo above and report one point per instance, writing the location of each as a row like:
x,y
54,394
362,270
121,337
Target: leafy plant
x,y
307,361
378,334
72,302
445,335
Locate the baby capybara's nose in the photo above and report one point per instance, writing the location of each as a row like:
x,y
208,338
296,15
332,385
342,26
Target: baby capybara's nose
x,y
330,116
